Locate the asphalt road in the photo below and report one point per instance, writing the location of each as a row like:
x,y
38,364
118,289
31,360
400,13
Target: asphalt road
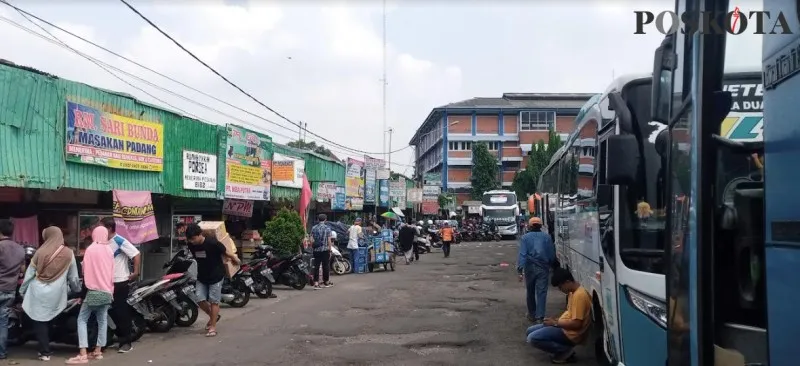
x,y
465,310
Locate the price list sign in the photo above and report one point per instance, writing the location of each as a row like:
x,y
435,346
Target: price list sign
x,y
199,171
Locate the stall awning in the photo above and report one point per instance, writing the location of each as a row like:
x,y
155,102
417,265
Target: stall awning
x,y
398,211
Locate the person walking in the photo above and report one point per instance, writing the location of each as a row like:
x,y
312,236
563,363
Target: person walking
x,y
354,234
12,261
209,254
406,238
536,257
124,253
559,336
321,243
52,274
98,277
447,238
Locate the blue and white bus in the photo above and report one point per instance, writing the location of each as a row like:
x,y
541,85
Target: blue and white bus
x,y
734,224
612,233
502,207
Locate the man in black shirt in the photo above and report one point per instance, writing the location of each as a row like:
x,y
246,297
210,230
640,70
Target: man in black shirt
x,y
406,238
209,254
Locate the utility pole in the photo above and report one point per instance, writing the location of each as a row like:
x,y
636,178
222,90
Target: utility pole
x,y
384,83
300,132
391,130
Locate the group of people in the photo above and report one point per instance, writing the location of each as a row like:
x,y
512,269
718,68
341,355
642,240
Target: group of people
x,y
536,264
53,274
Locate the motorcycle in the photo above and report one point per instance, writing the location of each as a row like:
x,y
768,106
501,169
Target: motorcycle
x,y
185,300
260,273
290,270
151,299
339,264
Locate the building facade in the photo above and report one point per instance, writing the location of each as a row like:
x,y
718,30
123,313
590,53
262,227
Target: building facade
x,y
510,126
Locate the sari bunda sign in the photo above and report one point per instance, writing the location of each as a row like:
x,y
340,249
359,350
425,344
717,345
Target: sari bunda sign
x,y
354,185
101,138
134,215
248,165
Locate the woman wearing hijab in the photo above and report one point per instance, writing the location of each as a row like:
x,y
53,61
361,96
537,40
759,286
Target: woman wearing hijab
x,y
52,273
98,277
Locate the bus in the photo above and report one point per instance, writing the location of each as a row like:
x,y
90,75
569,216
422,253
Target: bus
x,y
502,207
733,220
611,230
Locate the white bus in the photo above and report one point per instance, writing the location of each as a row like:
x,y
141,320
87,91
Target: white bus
x,y
612,235
502,207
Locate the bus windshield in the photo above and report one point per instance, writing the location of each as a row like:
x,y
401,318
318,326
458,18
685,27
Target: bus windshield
x,y
642,217
501,215
499,199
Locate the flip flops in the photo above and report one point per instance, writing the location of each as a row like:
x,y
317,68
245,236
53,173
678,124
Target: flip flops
x,y
208,326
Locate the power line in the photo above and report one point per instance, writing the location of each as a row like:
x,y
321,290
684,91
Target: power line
x,y
165,34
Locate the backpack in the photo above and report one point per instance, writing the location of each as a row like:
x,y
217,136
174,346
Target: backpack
x,y
320,234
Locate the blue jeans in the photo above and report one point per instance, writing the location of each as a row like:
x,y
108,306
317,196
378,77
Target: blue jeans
x,y
101,314
209,292
549,339
536,279
6,299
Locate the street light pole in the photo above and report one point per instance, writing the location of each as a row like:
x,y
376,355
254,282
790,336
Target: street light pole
x,y
391,130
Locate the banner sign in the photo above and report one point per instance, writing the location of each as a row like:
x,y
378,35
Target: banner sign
x,y
134,216
430,206
183,219
370,186
326,191
383,197
248,165
415,195
235,207
100,138
287,171
431,190
354,182
397,188
199,171
373,164
383,174
432,179
338,203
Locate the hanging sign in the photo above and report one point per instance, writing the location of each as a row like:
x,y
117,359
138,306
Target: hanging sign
x,y
236,207
287,171
134,216
248,165
199,171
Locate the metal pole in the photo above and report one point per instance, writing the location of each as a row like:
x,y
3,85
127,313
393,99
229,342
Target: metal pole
x,y
383,81
391,130
300,132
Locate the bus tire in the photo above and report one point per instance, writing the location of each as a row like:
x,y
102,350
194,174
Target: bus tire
x,y
599,336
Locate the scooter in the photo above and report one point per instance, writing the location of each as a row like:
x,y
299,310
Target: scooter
x,y
260,273
291,270
339,264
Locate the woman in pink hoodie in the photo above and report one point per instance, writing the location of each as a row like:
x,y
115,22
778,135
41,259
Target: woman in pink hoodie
x,y
98,276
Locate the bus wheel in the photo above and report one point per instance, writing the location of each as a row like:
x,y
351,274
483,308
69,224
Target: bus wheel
x,y
599,336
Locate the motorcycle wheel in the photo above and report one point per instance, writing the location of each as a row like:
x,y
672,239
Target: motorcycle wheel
x,y
498,238
302,281
348,266
427,249
188,315
240,298
263,289
165,319
138,327
338,267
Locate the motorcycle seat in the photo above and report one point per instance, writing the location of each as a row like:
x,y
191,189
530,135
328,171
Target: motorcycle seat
x,y
149,282
172,276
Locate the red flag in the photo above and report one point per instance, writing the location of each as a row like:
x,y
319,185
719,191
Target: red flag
x,y
305,200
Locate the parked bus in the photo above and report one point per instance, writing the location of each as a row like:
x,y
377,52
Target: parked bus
x,y
502,207
611,233
733,218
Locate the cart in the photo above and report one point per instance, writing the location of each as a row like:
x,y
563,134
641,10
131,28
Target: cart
x,y
381,252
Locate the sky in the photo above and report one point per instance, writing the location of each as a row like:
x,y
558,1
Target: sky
x,y
322,62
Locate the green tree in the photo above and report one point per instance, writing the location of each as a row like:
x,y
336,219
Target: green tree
x,y
484,170
284,232
312,146
527,181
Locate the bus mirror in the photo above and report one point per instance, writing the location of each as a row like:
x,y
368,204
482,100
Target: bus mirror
x,y
664,64
617,104
623,160
605,193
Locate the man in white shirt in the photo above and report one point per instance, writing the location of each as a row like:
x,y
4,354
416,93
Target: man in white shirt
x,y
354,233
124,253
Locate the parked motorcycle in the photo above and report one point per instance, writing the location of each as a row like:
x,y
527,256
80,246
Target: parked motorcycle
x,y
185,301
339,265
151,299
260,273
290,270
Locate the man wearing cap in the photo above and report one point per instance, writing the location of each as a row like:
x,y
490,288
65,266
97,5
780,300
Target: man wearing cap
x,y
536,256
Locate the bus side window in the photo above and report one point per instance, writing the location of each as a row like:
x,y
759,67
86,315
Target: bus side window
x,y
605,203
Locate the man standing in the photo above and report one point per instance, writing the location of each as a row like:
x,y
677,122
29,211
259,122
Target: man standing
x,y
536,257
354,234
447,238
209,254
12,260
406,238
322,242
559,336
124,253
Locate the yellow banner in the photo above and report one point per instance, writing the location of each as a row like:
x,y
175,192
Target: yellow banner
x,y
241,174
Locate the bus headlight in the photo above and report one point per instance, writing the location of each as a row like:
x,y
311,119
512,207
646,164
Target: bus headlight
x,y
654,309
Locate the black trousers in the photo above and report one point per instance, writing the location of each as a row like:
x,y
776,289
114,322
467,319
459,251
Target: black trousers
x,y
415,246
446,248
322,259
121,313
42,332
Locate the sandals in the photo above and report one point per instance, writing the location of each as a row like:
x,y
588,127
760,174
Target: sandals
x,y
78,360
95,356
208,326
211,333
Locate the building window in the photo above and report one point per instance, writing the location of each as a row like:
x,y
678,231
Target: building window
x,y
459,146
493,145
536,120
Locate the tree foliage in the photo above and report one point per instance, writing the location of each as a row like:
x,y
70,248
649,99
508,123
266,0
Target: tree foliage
x,y
526,181
485,170
284,232
312,146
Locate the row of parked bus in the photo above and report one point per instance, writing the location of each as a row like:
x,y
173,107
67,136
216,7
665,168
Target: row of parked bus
x,y
667,225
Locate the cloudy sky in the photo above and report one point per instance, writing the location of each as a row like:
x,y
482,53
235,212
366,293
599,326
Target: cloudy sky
x,y
323,64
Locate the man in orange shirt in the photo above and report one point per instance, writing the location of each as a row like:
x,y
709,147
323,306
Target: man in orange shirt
x,y
447,238
559,336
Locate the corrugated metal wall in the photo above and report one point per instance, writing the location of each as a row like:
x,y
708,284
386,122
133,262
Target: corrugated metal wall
x,y
33,124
